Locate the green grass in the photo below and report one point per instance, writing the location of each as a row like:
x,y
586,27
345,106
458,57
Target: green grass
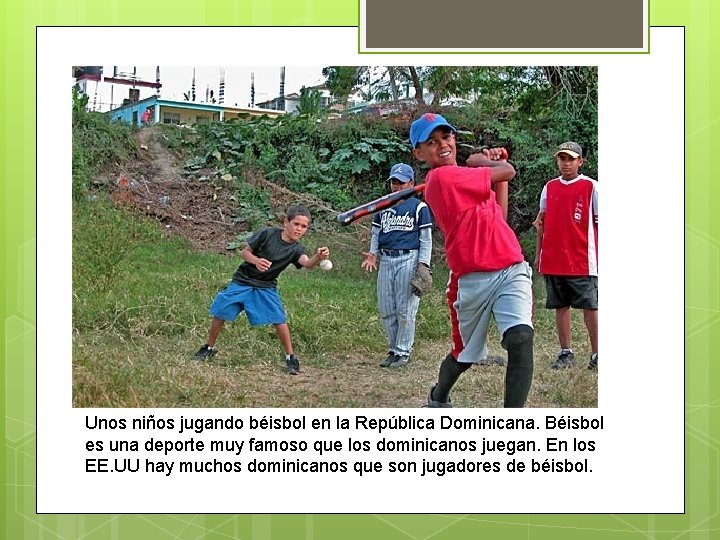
x,y
140,312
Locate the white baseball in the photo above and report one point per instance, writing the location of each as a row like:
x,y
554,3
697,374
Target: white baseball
x,y
326,264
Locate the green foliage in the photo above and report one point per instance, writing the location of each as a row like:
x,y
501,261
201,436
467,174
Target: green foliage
x,y
340,161
341,79
97,144
131,281
368,158
103,238
528,241
530,110
171,135
254,205
79,101
302,167
310,102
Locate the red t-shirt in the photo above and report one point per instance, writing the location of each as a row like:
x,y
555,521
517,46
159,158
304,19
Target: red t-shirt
x,y
570,236
477,237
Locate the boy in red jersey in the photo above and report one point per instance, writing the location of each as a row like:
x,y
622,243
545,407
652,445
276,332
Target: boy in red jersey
x,y
488,274
567,250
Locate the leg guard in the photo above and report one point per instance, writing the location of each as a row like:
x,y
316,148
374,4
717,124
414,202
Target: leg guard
x,y
450,370
518,341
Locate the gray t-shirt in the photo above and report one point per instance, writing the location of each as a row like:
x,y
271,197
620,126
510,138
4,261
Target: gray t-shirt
x,y
268,244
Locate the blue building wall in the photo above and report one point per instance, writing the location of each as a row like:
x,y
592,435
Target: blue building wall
x,y
183,112
133,112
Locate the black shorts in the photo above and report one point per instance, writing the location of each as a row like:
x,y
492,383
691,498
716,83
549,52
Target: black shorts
x,y
580,292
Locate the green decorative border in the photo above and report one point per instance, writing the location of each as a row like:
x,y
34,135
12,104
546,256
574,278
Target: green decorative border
x,y
702,292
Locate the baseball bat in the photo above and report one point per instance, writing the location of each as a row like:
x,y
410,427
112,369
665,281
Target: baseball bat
x,y
346,218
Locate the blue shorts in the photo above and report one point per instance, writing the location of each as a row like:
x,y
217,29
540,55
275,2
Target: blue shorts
x,y
262,306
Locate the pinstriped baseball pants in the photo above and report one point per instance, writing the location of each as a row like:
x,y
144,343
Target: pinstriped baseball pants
x,y
397,304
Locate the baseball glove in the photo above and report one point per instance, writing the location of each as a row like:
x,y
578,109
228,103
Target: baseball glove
x,y
422,281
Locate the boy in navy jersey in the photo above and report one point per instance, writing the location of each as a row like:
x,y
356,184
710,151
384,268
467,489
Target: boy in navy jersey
x,y
488,274
567,250
402,241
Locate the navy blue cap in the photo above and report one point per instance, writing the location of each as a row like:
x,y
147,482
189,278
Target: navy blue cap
x,y
402,172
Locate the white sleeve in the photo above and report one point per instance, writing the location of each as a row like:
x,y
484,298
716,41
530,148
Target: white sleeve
x,y
543,199
425,245
374,240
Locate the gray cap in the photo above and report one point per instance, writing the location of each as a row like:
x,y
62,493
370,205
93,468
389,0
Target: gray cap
x,y
571,148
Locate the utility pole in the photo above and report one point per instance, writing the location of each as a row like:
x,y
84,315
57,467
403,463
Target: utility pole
x,y
252,89
221,96
281,101
193,86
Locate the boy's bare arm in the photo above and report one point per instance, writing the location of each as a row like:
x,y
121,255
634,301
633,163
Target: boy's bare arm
x,y
501,196
539,230
502,171
309,262
261,264
500,187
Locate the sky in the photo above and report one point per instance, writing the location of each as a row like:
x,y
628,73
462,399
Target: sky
x,y
176,80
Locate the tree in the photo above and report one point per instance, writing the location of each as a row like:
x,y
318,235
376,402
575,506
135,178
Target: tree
x,y
341,80
310,101
439,79
528,109
393,86
417,84
79,100
575,86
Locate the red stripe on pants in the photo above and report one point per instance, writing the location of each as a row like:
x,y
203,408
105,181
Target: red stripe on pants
x,y
452,290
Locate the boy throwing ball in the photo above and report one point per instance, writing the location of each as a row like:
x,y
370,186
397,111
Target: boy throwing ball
x,y
253,288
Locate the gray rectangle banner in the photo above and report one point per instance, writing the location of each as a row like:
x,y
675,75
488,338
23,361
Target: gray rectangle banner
x,y
511,24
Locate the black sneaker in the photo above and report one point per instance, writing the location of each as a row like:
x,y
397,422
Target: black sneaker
x,y
205,353
432,404
389,360
400,361
293,365
565,359
593,364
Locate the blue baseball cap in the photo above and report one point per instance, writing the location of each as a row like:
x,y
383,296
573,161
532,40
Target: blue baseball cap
x,y
421,128
402,172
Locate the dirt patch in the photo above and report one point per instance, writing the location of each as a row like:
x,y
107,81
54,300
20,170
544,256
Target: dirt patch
x,y
201,207
156,185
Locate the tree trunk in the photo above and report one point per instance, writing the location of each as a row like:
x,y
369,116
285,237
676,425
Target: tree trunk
x,y
393,87
439,89
418,86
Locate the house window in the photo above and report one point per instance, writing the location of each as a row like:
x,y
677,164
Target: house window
x,y
201,119
171,118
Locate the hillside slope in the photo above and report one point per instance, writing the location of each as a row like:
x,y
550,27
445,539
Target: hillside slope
x,y
201,207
